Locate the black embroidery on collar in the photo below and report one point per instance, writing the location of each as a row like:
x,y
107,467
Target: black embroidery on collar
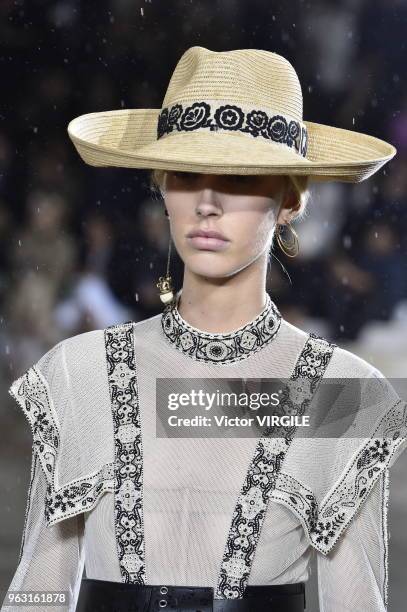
x,y
231,117
220,348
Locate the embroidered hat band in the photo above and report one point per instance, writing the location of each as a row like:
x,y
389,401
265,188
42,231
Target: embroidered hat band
x,y
215,116
229,112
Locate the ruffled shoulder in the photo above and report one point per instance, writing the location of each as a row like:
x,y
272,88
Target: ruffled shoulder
x,y
63,428
325,481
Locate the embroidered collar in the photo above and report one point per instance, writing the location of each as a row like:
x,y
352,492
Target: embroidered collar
x,y
220,348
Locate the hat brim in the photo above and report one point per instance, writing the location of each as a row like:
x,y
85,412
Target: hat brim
x,y
128,138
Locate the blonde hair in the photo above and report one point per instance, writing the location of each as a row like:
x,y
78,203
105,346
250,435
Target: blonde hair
x,y
297,182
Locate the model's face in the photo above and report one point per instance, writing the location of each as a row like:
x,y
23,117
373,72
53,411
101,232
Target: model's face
x,y
242,208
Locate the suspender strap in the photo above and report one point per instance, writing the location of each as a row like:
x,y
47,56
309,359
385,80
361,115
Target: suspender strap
x,y
128,479
261,476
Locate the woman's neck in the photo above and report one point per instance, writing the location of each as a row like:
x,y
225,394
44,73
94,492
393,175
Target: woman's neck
x,y
221,307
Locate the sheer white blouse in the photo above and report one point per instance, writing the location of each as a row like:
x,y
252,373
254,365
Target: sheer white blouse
x,y
109,496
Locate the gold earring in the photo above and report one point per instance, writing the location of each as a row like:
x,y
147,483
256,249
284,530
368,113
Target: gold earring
x,y
290,249
165,282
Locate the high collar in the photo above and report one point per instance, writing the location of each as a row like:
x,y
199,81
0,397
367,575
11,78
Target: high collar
x,y
220,348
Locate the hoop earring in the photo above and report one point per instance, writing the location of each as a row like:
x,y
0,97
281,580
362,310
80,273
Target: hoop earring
x,y
291,249
165,282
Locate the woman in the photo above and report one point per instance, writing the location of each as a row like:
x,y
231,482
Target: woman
x,y
201,521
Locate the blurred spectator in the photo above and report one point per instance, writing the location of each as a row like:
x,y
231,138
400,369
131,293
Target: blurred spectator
x,y
91,303
382,259
43,260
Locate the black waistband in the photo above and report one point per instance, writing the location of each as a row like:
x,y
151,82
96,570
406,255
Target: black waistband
x,y
107,596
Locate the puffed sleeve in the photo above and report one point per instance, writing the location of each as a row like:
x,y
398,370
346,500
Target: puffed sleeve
x,y
51,557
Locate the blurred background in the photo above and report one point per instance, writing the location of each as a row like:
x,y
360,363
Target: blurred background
x,y
82,248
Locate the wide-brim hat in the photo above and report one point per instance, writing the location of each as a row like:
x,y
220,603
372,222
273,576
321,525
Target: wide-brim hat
x,y
229,112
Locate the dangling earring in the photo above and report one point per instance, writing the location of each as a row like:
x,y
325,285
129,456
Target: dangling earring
x,y
165,282
290,249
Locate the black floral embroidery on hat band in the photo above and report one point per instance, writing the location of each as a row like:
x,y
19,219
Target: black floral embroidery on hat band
x,y
200,115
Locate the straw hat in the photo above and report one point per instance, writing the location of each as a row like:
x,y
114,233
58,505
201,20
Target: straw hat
x,y
229,112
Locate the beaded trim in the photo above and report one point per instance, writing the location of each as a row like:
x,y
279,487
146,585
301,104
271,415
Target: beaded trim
x,y
385,493
220,348
263,471
325,523
31,391
219,116
33,475
128,479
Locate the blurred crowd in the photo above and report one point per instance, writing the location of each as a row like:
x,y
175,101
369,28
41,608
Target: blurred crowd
x,y
83,247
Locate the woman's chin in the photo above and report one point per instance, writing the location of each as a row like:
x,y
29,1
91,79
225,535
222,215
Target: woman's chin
x,y
211,270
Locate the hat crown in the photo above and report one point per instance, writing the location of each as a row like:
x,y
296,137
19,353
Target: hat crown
x,y
251,77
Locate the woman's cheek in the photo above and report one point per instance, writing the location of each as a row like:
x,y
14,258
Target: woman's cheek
x,y
258,235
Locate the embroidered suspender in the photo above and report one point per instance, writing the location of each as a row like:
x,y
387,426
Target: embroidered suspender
x,y
128,480
262,473
258,484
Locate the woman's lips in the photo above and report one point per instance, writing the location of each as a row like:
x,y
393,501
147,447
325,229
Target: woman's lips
x,y
208,244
